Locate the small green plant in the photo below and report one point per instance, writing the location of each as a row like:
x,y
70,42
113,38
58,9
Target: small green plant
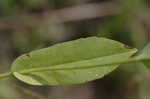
x,y
75,62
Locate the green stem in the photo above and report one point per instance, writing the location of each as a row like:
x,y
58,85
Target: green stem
x,y
4,75
58,67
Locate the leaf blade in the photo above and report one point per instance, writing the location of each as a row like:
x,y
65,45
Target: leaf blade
x,y
76,53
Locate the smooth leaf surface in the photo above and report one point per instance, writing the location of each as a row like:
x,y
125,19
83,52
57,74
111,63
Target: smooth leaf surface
x,y
72,62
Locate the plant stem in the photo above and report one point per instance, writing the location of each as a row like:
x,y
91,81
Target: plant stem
x,y
58,67
4,75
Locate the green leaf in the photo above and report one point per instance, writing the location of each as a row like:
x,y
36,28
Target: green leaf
x,y
72,62
145,56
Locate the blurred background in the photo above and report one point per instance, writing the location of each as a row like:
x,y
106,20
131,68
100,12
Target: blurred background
x,y
27,25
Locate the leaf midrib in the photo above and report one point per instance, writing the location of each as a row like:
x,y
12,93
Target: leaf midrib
x,y
59,66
